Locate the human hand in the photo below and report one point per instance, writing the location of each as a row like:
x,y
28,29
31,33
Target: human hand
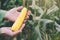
x,y
8,31
13,13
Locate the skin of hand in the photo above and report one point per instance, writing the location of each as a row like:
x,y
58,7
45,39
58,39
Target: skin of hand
x,y
12,16
13,13
9,32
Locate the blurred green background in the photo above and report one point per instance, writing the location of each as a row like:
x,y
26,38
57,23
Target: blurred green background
x,y
44,21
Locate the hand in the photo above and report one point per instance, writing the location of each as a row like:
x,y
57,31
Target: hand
x,y
13,13
8,31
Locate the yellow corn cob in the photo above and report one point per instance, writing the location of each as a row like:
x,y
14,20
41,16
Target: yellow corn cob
x,y
18,23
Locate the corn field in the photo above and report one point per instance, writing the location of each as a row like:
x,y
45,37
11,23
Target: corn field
x,y
43,23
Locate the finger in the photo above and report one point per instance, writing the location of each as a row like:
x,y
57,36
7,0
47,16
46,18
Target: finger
x,y
19,8
25,21
22,27
28,13
27,18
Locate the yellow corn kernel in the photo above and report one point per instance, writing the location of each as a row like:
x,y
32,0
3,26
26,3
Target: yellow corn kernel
x,y
18,23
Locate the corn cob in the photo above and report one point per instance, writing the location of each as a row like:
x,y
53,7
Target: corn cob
x,y
18,23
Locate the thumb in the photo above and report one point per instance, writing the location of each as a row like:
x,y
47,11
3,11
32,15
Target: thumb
x,y
19,8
